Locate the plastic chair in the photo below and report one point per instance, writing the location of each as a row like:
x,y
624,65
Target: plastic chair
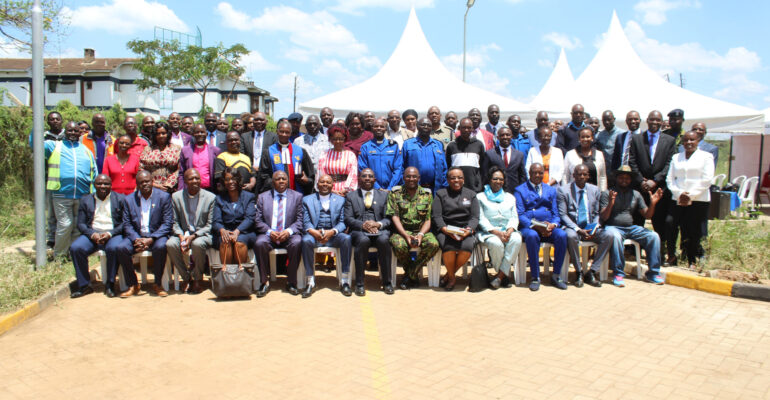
x,y
738,181
546,248
354,266
748,191
434,269
584,246
638,250
142,257
718,180
764,188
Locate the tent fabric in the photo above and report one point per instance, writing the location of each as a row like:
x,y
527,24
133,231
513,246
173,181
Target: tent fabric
x,y
413,77
557,95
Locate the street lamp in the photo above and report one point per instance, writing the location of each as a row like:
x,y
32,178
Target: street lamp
x,y
465,23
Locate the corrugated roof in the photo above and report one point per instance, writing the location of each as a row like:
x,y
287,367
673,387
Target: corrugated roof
x,y
69,66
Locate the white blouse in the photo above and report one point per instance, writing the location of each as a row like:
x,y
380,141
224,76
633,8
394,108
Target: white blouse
x,y
555,166
572,160
691,175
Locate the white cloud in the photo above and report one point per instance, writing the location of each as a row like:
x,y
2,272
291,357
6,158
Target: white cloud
x,y
545,63
124,17
283,89
477,72
738,86
9,49
653,12
255,62
353,6
562,40
339,75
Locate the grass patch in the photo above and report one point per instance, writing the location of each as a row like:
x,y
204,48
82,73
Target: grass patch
x,y
739,246
19,284
17,213
723,163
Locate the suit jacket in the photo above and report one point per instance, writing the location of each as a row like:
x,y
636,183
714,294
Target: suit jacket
x,y
639,158
354,209
617,154
294,212
247,145
186,162
187,139
229,217
204,214
221,137
568,204
86,213
530,206
515,174
311,205
161,215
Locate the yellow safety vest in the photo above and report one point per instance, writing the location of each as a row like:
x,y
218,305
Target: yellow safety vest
x,y
54,160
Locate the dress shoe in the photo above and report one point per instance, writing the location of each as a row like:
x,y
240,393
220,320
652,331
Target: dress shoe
x,y
195,287
309,291
388,288
505,282
346,290
671,261
557,282
158,291
132,291
534,285
360,291
263,289
442,282
184,285
109,291
292,289
404,285
82,292
579,280
495,283
590,278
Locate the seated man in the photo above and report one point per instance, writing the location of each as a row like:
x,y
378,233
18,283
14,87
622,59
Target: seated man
x,y
279,226
100,220
147,221
365,216
409,207
618,206
193,215
579,212
325,226
536,201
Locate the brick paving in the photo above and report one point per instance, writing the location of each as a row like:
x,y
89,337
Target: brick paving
x,y
642,341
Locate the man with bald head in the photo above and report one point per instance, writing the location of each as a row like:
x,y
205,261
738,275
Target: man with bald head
x,y
178,137
148,126
568,134
213,136
450,120
493,119
396,132
368,120
427,155
98,140
383,156
622,146
439,132
482,135
314,142
191,231
137,142
541,120
327,117
700,129
605,140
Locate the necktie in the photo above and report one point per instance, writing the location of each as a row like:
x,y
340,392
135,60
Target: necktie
x,y
626,147
651,139
279,219
505,157
582,217
368,200
494,129
538,190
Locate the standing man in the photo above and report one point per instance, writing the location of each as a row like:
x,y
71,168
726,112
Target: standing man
x,y
290,158
327,117
605,140
439,132
700,129
541,120
98,140
519,141
255,143
649,158
193,215
100,220
506,157
579,212
482,135
200,156
147,221
568,134
137,143
450,120
493,119
148,125
468,154
536,204
314,143
186,125
622,148
395,131
295,119
409,207
365,217
55,133
675,122
71,172
178,137
368,121
427,155
213,136
383,157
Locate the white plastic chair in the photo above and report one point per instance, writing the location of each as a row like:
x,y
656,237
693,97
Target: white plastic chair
x,y
434,269
718,180
142,257
301,275
738,181
748,191
546,248
638,250
585,246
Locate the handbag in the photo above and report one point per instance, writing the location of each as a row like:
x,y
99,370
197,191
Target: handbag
x,y
232,280
479,277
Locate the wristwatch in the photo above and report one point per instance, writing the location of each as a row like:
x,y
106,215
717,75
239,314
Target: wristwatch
x,y
420,234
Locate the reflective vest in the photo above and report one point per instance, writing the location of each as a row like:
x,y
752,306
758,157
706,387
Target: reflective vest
x,y
54,160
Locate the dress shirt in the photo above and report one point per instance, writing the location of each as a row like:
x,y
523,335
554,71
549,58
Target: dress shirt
x,y
257,147
691,175
102,214
505,154
211,138
274,220
192,207
325,201
200,162
146,209
652,138
367,193
177,139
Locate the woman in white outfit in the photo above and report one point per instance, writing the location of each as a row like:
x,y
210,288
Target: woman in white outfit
x,y
549,156
586,154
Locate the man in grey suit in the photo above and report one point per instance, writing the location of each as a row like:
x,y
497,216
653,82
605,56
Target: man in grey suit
x,y
365,217
579,213
254,143
193,214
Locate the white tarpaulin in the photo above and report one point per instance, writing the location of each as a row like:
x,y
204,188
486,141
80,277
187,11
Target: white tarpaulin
x,y
413,77
557,95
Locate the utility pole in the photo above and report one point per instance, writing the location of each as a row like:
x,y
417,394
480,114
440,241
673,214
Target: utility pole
x,y
667,78
681,80
295,94
468,5
37,133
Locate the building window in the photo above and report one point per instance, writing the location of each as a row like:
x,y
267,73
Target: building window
x,y
89,85
116,86
232,97
61,86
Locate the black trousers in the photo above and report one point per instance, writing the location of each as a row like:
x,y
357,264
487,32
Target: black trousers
x,y
663,224
361,245
690,220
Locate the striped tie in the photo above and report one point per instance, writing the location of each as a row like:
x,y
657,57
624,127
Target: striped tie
x,y
279,219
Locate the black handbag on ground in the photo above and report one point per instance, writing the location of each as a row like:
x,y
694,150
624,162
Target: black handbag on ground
x,y
479,277
232,280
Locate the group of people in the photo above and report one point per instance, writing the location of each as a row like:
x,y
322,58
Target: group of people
x,y
414,186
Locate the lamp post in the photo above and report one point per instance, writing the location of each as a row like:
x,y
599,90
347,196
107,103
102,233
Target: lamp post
x,y
465,23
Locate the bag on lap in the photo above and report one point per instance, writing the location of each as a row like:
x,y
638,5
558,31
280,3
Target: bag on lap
x,y
232,280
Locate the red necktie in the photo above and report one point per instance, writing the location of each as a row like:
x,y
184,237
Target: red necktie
x,y
505,157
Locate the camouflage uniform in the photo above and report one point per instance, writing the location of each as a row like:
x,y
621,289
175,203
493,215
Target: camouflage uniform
x,y
413,213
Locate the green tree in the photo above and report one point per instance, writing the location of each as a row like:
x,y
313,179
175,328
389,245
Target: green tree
x,y
16,20
170,64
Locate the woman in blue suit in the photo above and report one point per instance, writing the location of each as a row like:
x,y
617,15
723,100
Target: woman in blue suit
x,y
234,214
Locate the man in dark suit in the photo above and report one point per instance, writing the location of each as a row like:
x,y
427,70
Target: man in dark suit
x,y
201,154
365,217
255,143
579,213
214,137
622,148
567,135
278,224
147,221
649,158
508,159
100,222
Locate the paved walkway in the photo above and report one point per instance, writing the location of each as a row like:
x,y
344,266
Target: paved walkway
x,y
638,342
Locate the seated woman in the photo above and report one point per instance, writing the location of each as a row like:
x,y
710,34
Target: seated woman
x,y
239,162
122,167
161,158
587,155
550,156
234,215
455,216
498,222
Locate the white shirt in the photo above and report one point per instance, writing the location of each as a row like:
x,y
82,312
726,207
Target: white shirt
x,y
691,175
274,219
102,214
146,209
505,152
285,156
325,201
258,136
177,139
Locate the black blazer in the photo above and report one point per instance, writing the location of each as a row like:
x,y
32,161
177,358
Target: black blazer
x,y
247,145
354,209
86,214
639,158
515,174
617,155
240,214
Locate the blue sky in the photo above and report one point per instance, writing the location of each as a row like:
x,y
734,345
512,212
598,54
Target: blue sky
x,y
720,47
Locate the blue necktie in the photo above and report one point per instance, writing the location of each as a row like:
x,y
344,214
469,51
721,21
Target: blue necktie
x,y
582,217
652,144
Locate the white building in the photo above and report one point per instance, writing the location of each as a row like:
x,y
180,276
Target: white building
x,y
243,97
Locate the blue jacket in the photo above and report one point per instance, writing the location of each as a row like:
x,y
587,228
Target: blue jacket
x,y
520,143
530,206
429,159
385,160
161,215
75,169
311,205
239,215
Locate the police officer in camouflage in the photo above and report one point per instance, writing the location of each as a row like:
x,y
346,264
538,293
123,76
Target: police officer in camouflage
x,y
410,209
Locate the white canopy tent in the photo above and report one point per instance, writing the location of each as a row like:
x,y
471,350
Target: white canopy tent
x,y
767,120
557,96
413,77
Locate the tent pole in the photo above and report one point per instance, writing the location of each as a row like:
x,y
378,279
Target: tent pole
x,y
730,161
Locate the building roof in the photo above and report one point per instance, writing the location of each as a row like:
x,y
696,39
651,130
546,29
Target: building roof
x,y
65,66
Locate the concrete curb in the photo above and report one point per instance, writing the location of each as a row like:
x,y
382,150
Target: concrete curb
x,y
719,286
15,319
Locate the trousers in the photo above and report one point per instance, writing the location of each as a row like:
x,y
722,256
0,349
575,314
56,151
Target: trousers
x,y
180,260
603,243
428,248
362,243
341,241
83,247
66,211
125,250
647,239
501,255
532,240
293,247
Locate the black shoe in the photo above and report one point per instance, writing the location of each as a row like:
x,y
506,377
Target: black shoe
x,y
591,279
360,291
388,288
346,290
443,281
309,291
292,289
414,282
109,291
81,292
579,280
558,283
263,289
404,285
505,282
